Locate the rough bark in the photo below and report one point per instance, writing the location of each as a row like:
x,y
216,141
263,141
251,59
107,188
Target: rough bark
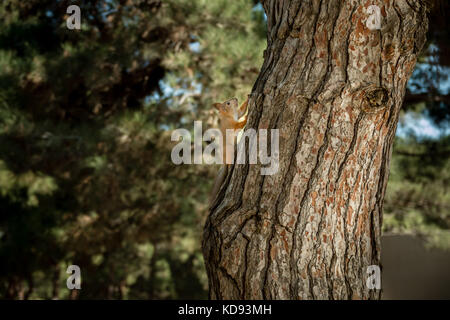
x,y
334,89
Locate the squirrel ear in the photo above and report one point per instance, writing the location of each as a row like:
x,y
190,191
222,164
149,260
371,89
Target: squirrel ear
x,y
217,105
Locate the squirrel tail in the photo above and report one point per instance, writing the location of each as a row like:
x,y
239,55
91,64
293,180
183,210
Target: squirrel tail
x,y
218,183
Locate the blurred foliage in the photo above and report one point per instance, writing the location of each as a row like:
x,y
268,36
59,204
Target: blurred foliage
x,y
85,125
418,194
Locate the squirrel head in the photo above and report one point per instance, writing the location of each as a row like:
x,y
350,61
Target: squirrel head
x,y
228,108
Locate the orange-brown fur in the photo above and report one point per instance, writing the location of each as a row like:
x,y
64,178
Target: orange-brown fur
x,y
230,115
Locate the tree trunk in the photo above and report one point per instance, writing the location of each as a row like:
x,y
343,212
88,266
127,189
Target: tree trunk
x,y
334,88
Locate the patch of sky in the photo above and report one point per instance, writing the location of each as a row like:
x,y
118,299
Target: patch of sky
x,y
195,47
168,92
426,76
419,126
259,7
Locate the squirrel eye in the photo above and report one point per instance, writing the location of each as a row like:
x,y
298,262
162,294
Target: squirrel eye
x,y
228,103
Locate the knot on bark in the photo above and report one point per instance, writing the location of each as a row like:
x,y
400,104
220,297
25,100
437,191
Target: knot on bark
x,y
375,99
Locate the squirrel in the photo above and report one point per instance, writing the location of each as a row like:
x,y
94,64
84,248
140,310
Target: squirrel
x,y
230,115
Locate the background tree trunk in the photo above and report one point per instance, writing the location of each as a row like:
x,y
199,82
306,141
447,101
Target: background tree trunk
x,y
334,89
